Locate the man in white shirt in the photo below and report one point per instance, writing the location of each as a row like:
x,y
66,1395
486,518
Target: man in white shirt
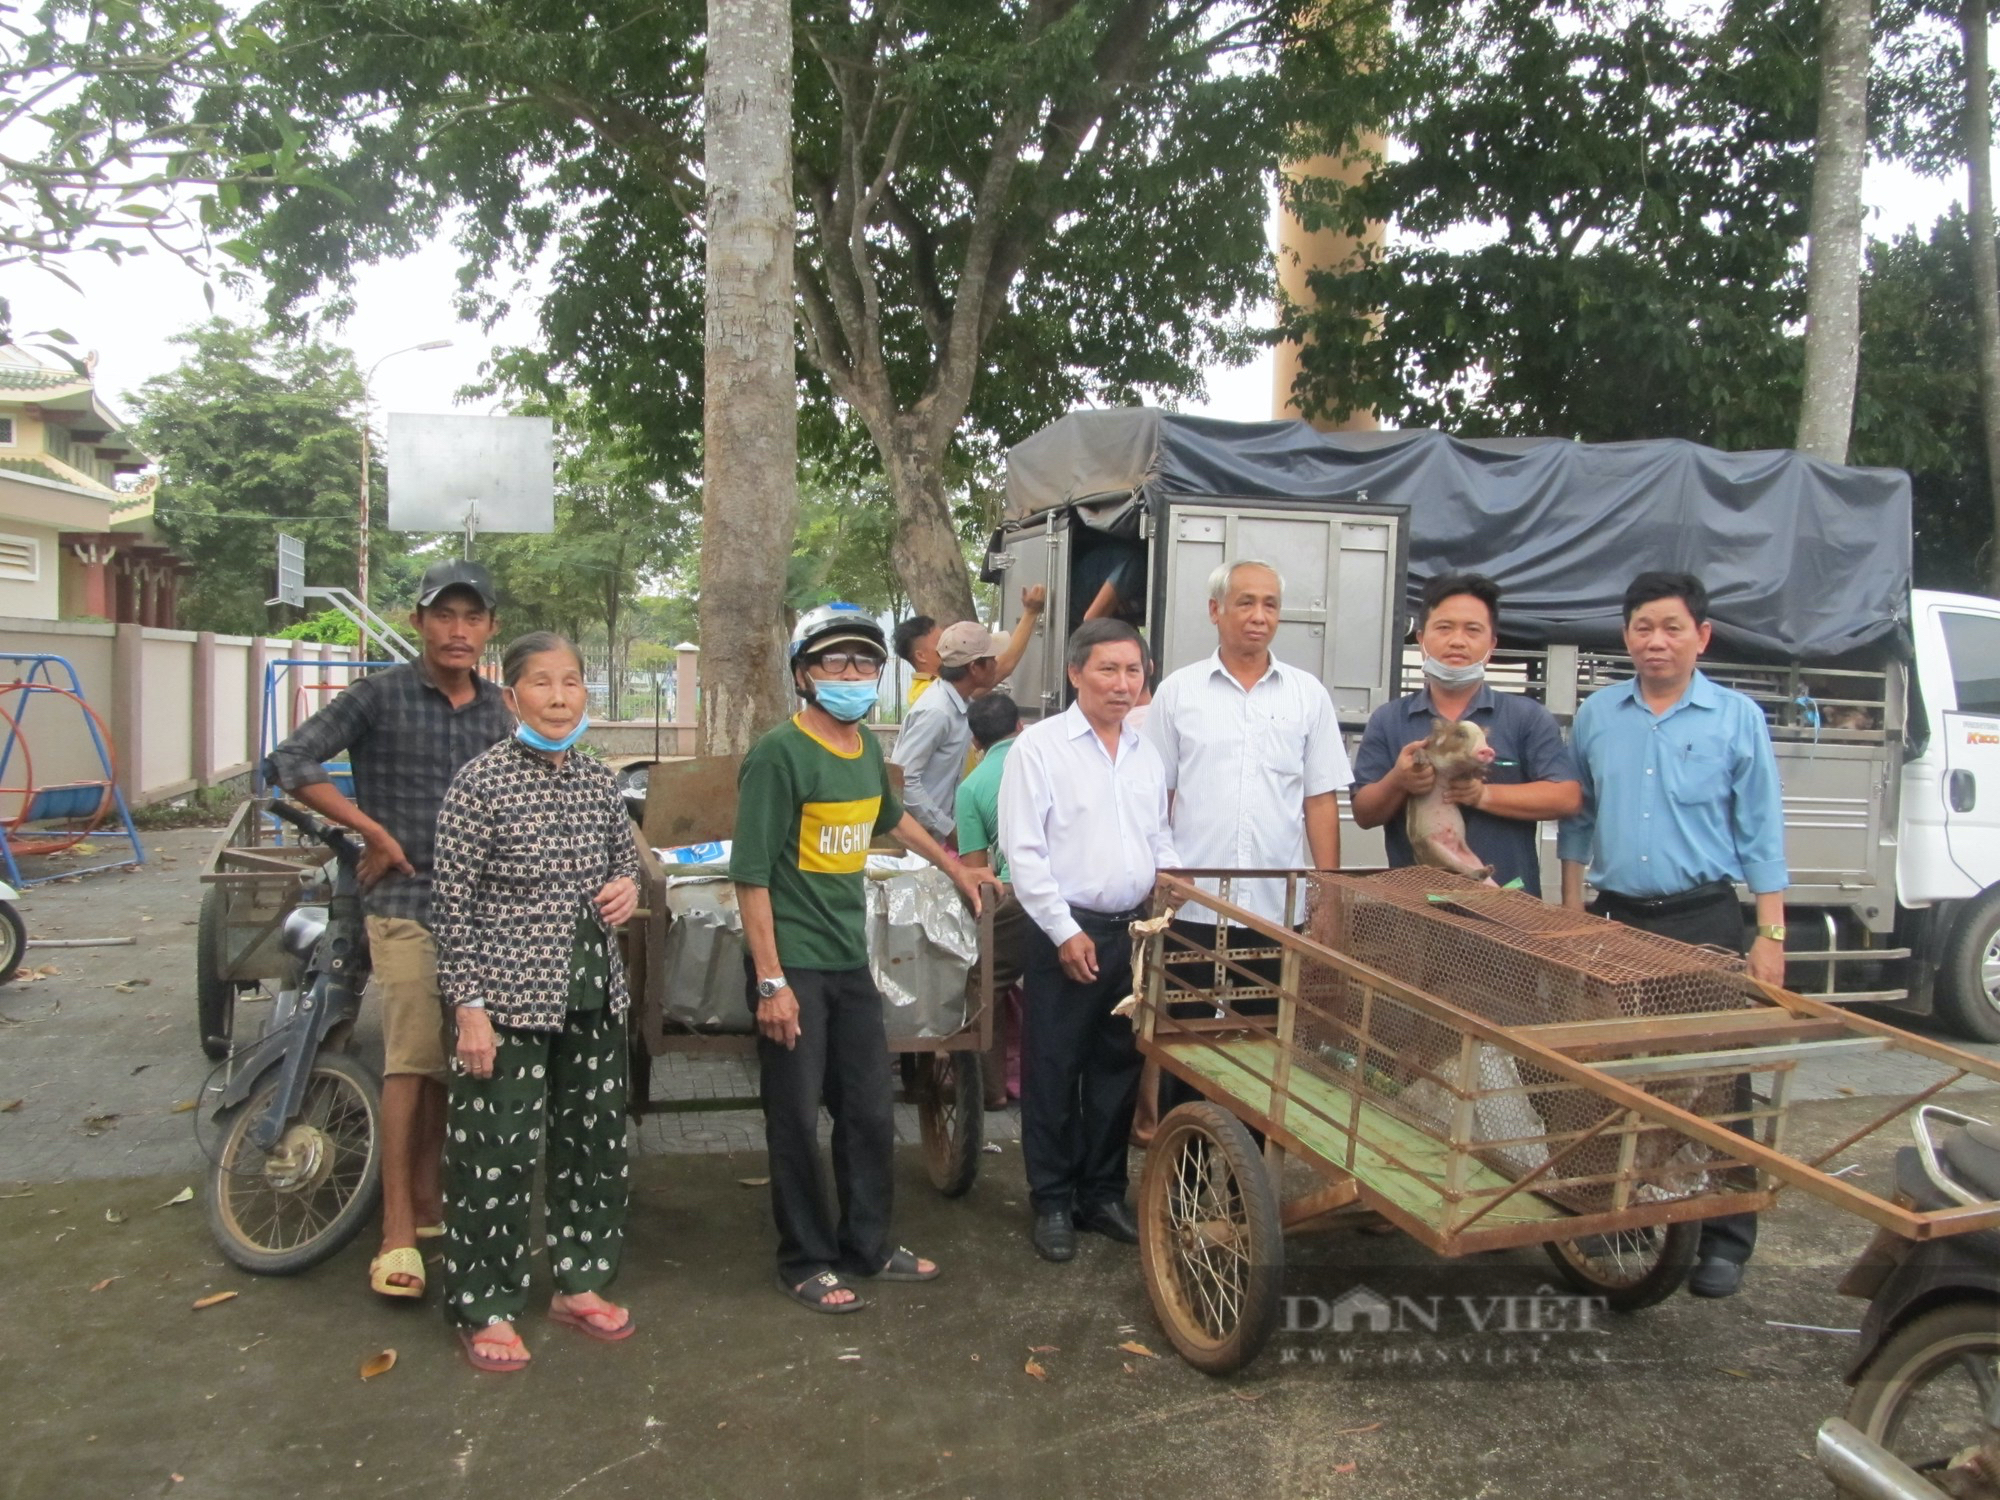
x,y
1254,765
1083,823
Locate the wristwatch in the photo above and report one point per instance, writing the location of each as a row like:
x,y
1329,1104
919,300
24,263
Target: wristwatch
x,y
1775,931
766,988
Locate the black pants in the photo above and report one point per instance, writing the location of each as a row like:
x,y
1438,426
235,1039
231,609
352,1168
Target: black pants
x,y
1718,923
842,1058
1079,1073
1174,1092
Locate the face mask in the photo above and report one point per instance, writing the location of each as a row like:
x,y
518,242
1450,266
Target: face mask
x,y
846,701
534,739
1448,676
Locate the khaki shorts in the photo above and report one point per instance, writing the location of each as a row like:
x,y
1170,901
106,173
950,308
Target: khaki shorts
x,y
404,956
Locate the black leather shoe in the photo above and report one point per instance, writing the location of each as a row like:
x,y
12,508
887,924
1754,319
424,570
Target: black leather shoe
x,y
1716,1277
1113,1220
1055,1237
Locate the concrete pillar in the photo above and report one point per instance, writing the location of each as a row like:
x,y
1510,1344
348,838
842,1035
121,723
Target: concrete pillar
x,y
128,706
1301,252
203,725
253,702
687,683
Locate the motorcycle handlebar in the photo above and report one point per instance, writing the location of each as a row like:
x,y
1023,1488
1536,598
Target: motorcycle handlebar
x,y
339,840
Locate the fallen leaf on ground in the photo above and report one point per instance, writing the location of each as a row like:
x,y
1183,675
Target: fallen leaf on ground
x,y
1130,1368
105,1283
1249,1396
1133,1346
212,1298
847,1357
753,1181
1346,1468
185,1195
1044,1349
98,1124
380,1364
12,1105
1355,1431
112,1216
28,1194
46,970
1844,1089
1739,1374
182,1106
1034,1368
975,1359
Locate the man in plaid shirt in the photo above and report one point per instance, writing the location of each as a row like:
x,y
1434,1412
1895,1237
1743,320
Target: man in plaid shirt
x,y
406,732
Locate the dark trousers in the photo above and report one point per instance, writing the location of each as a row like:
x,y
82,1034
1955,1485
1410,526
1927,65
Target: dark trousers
x,y
1079,1073
842,1058
1717,923
1174,1092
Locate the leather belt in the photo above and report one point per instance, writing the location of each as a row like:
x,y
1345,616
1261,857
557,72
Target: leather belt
x,y
1710,892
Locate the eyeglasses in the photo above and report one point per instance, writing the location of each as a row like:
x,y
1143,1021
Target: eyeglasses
x,y
838,663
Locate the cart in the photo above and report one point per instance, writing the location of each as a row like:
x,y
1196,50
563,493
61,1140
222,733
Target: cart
x,y
1477,1070
251,882
694,802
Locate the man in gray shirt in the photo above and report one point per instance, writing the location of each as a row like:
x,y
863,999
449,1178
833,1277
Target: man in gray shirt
x,y
935,740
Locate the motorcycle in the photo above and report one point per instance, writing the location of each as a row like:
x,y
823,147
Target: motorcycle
x,y
1926,1403
296,1169
13,936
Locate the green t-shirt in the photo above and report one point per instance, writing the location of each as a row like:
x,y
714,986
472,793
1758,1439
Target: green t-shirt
x,y
805,816
978,810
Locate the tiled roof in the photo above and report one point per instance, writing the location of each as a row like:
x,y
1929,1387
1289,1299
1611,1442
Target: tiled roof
x,y
37,468
28,378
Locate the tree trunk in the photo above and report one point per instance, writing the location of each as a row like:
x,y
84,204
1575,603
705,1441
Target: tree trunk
x,y
1972,22
750,425
926,551
1833,267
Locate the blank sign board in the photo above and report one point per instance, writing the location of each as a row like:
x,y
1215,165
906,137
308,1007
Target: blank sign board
x,y
291,572
498,473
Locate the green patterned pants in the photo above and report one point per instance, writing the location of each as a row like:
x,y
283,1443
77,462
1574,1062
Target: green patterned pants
x,y
573,1082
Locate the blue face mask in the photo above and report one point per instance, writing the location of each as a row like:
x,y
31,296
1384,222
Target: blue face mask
x,y
846,700
534,739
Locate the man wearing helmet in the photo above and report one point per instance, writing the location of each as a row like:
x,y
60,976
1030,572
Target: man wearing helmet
x,y
811,797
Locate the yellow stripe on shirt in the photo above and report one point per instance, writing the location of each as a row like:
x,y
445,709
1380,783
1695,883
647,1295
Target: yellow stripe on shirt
x,y
834,836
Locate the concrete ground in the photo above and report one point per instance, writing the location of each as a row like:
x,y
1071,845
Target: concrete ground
x,y
114,1385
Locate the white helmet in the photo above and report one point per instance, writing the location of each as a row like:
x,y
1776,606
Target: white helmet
x,y
830,624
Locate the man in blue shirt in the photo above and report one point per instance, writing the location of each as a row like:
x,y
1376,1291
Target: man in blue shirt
x,y
1681,803
1531,777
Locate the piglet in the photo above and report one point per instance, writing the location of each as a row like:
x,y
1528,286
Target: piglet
x,y
1437,827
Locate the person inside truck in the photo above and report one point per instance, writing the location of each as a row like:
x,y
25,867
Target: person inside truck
x,y
1531,777
1108,581
915,640
1681,803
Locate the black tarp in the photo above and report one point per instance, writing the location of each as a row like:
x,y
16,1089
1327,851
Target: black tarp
x,y
1803,560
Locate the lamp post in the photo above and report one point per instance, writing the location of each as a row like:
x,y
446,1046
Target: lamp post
x,y
361,561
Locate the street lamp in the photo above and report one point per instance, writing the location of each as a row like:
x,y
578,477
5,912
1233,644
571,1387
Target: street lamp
x,y
361,568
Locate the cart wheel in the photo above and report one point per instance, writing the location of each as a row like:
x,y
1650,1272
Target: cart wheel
x,y
214,996
281,1211
13,941
1210,1241
1631,1268
951,1108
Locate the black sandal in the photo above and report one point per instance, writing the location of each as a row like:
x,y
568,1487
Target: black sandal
x,y
902,1266
814,1290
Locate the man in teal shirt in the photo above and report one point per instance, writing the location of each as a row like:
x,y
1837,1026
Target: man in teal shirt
x,y
994,721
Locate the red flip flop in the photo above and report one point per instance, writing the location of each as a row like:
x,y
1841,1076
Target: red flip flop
x,y
467,1336
581,1322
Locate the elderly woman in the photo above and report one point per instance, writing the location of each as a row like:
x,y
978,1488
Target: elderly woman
x,y
535,871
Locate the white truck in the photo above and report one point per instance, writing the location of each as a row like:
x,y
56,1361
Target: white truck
x,y
1883,701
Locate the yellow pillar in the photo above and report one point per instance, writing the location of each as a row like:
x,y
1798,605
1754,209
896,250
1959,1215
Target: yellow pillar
x,y
1302,251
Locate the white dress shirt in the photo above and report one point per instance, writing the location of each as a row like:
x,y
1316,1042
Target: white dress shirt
x,y
1241,763
931,748
1079,828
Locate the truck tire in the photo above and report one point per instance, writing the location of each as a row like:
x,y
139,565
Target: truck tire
x,y
1968,987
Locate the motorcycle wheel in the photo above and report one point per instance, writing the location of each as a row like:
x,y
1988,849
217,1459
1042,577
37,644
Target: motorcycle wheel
x,y
13,941
1923,1396
279,1212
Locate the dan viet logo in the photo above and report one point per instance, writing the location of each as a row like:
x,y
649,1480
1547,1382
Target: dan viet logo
x,y
1366,1326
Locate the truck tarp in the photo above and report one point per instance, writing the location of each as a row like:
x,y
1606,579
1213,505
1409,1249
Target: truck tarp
x,y
1803,560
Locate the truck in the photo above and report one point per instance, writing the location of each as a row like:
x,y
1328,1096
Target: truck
x,y
1883,700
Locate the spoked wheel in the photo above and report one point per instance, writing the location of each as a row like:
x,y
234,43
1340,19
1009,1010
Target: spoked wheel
x,y
1210,1240
1926,1393
1629,1268
281,1211
214,996
13,941
951,1109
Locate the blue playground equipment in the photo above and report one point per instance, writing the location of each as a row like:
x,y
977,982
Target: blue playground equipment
x,y
277,675
82,808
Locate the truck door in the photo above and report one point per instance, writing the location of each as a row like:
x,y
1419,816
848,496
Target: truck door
x,y
1972,743
1038,554
1342,566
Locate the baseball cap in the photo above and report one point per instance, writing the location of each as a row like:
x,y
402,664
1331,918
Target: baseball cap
x,y
965,643
456,573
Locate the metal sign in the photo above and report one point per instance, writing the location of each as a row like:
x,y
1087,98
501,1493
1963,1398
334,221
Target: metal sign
x,y
291,572
471,474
